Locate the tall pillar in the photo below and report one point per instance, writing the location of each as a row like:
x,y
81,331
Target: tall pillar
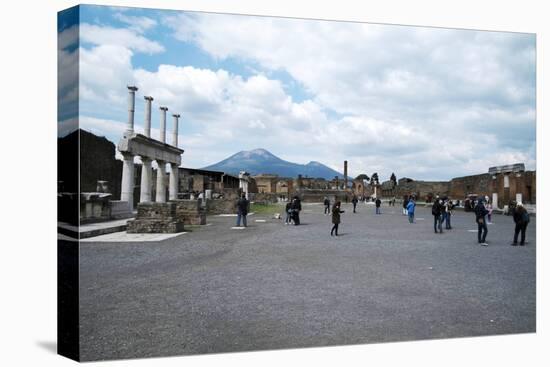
x,y
163,124
345,175
127,187
173,187
146,180
175,130
161,188
147,122
131,108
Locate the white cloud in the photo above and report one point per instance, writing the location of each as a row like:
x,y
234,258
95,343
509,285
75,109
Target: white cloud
x,y
127,38
139,24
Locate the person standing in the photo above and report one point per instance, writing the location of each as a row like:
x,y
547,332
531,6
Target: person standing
x,y
448,213
242,210
335,218
437,209
326,202
354,202
288,211
480,212
489,208
521,218
405,203
377,203
296,208
410,210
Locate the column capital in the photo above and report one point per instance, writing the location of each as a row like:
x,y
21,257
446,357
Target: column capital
x,y
127,155
132,88
163,108
145,159
176,115
148,98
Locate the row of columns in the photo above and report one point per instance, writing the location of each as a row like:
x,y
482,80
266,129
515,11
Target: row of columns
x,y
127,190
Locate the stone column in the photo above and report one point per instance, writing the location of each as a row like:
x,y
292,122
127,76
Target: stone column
x,y
131,108
173,187
163,124
127,187
175,130
147,123
146,181
161,188
345,175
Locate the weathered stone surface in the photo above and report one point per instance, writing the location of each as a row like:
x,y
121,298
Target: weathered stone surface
x,y
156,218
190,212
221,206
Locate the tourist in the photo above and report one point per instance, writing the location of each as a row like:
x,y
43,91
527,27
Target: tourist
x,y
288,211
377,203
437,209
242,210
521,218
410,210
448,212
489,208
296,208
354,202
405,204
480,213
326,202
335,218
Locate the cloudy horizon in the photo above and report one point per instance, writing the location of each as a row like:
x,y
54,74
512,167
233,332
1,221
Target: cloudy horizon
x,y
426,103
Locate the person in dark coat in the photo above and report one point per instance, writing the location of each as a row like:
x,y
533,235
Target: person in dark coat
x,y
288,211
521,218
437,210
354,201
377,203
242,210
296,208
326,202
480,212
335,218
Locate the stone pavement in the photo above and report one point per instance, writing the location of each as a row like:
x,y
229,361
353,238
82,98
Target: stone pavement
x,y
273,286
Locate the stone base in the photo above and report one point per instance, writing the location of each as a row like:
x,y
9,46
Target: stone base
x,y
154,226
120,209
156,218
190,212
221,206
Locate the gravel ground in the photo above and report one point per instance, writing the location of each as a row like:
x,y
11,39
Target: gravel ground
x,y
273,286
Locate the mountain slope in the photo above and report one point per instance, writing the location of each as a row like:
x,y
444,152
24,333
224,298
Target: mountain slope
x,y
262,161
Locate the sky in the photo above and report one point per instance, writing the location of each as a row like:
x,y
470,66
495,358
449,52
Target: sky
x,y
426,103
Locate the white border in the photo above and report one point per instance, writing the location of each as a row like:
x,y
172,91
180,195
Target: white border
x,y
28,88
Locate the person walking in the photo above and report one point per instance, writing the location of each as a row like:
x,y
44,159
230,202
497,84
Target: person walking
x,y
405,203
377,203
480,212
326,202
335,218
410,210
437,209
354,202
242,210
296,208
521,218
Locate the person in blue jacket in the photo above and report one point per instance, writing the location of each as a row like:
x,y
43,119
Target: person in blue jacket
x,y
411,205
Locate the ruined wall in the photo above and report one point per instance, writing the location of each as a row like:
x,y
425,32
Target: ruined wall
x,y
461,187
423,190
190,212
155,218
221,206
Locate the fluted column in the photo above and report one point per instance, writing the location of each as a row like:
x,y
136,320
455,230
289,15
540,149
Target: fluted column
x,y
131,108
161,187
146,180
127,187
163,124
175,129
174,181
147,122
